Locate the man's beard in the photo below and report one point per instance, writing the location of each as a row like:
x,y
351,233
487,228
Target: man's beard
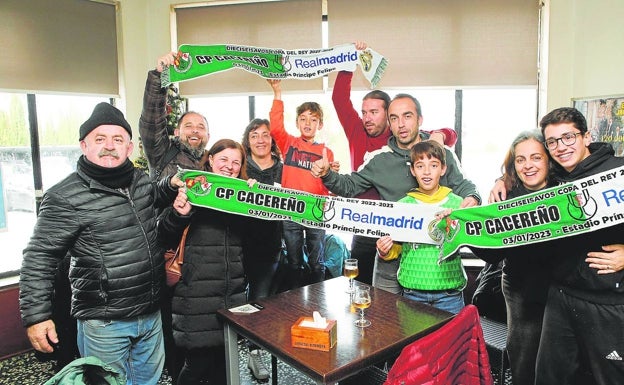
x,y
197,152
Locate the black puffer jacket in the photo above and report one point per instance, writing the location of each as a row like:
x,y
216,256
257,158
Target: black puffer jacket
x,y
116,262
212,273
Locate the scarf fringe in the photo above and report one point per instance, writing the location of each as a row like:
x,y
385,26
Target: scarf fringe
x,y
381,69
165,79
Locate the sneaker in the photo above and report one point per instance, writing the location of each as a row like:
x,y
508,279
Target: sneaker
x,y
256,365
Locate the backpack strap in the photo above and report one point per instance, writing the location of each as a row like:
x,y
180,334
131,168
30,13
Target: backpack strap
x,y
169,155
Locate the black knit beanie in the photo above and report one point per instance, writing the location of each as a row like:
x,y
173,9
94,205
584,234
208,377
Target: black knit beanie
x,y
104,113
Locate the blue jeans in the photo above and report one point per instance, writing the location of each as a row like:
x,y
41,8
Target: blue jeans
x,y
294,237
132,346
449,300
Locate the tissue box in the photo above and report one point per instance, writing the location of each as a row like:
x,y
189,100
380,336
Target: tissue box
x,y
313,338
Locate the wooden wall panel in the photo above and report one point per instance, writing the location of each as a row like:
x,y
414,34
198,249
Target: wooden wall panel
x,y
12,334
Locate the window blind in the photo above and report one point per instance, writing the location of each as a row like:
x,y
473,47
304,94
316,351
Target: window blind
x,y
279,24
65,46
443,43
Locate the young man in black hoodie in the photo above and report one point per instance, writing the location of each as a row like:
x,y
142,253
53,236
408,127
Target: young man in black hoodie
x,y
584,317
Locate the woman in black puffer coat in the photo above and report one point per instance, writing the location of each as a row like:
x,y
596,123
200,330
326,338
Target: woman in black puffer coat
x,y
212,274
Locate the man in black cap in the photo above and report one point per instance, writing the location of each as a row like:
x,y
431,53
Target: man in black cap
x,y
104,216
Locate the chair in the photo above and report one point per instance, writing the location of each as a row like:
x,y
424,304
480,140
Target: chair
x,y
454,354
495,334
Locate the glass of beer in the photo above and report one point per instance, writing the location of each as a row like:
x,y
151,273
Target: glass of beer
x,y
362,300
350,271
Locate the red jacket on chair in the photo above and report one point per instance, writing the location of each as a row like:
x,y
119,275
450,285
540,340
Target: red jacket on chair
x,y
452,355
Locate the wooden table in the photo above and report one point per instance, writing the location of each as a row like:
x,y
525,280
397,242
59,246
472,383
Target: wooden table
x,y
396,322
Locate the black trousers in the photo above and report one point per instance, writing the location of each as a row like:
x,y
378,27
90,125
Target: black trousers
x,y
363,249
524,328
174,356
203,364
580,336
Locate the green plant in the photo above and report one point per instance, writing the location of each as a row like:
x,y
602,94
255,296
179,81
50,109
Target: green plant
x,y
176,106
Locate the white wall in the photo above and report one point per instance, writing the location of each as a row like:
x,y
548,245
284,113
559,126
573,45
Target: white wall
x,y
585,50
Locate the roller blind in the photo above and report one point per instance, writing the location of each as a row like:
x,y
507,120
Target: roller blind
x,y
443,43
66,46
281,24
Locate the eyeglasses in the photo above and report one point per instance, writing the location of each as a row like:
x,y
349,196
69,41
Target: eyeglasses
x,y
568,139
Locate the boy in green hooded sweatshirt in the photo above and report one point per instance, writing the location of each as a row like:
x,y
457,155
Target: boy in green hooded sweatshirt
x,y
420,275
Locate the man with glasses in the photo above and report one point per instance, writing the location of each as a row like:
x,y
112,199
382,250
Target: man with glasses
x,y
584,316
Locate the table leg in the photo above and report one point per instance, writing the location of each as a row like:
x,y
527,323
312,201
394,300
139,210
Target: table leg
x,y
273,370
231,355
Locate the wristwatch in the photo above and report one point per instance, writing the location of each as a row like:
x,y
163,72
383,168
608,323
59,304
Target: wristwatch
x,y
475,196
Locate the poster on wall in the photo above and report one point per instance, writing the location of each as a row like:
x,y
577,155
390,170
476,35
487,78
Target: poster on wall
x,y
605,119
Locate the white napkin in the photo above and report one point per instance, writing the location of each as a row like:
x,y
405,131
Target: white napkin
x,y
318,322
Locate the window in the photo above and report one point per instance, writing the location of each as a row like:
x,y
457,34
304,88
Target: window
x,y
34,158
58,120
492,117
17,208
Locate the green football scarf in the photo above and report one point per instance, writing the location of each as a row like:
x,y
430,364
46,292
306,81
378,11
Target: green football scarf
x,y
194,61
356,216
585,205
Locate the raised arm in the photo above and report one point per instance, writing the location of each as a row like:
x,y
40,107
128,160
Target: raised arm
x,y
276,116
445,136
347,114
153,120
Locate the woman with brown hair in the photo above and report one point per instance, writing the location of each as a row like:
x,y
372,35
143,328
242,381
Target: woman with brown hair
x,y
212,274
262,246
527,168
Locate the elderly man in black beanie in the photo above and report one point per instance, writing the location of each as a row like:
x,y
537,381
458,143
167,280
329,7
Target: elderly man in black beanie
x,y
104,216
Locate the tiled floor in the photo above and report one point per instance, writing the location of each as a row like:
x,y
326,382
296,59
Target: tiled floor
x,y
25,369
